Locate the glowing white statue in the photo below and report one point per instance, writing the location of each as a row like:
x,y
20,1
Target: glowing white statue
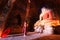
x,y
46,15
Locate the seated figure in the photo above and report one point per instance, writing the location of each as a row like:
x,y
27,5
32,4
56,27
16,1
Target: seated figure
x,y
45,17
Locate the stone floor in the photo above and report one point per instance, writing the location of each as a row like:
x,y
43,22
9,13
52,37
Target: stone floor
x,y
29,36
50,37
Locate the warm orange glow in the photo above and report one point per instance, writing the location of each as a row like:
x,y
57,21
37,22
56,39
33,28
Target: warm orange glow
x,y
6,32
49,22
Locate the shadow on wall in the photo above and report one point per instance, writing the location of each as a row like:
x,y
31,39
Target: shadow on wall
x,y
57,30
